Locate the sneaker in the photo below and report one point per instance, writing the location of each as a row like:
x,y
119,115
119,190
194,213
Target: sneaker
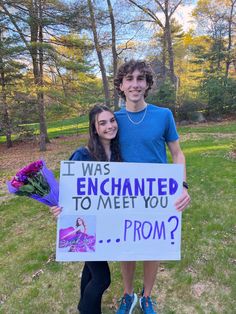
x,y
127,304
146,305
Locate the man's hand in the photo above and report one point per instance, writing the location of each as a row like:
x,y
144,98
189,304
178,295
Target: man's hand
x,y
183,201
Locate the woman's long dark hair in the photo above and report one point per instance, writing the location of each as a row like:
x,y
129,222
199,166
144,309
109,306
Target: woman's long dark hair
x,y
95,146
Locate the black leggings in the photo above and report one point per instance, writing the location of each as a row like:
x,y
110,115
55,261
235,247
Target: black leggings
x,y
95,280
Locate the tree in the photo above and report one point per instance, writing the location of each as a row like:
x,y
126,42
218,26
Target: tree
x,y
167,8
219,94
5,121
9,77
216,18
71,83
35,21
99,53
114,51
231,29
31,12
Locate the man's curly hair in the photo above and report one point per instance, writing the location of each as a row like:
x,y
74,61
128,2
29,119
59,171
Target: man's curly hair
x,y
130,67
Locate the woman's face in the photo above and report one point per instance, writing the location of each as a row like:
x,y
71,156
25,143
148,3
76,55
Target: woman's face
x,y
79,222
106,126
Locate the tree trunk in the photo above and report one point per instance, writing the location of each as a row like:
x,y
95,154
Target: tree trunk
x,y
164,52
171,56
99,54
169,43
114,52
219,52
6,125
36,52
42,121
230,22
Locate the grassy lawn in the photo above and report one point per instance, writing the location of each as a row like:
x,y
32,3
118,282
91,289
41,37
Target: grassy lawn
x,y
73,126
202,282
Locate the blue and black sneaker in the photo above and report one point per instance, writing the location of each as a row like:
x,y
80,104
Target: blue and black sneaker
x,y
127,304
146,305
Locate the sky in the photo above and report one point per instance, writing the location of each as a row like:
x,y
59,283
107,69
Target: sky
x,y
183,16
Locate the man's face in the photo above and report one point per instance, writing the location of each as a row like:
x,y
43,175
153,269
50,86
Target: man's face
x,y
134,86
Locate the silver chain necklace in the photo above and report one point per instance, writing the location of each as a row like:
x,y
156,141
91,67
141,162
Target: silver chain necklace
x,y
141,120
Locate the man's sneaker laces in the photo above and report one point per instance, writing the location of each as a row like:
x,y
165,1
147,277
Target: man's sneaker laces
x,y
127,304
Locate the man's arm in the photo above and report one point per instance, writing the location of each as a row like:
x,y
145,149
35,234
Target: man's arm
x,y
178,158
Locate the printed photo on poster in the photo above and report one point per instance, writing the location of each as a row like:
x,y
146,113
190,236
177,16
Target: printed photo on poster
x,y
77,233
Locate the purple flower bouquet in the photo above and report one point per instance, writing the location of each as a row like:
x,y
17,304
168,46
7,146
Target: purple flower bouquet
x,y
37,182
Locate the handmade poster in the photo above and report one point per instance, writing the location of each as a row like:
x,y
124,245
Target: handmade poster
x,y
119,211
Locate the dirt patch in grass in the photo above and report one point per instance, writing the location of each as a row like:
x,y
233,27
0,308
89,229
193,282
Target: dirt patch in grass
x,y
14,158
199,288
232,155
202,136
22,153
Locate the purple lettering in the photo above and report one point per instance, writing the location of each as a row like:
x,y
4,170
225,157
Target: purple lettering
x,y
92,186
149,226
150,181
102,187
137,226
173,186
139,187
127,188
115,186
159,231
128,224
161,186
80,186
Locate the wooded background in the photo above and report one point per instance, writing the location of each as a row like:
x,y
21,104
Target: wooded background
x,y
59,57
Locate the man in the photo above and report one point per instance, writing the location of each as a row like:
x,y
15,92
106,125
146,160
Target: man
x,y
144,131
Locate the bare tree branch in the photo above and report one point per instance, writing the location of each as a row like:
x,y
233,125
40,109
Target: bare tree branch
x,y
149,12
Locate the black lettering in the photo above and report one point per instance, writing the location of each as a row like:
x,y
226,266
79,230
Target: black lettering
x,y
164,205
104,203
87,168
68,163
84,201
106,167
146,199
117,202
76,201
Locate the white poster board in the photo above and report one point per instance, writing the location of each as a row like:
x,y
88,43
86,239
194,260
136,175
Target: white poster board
x,y
119,211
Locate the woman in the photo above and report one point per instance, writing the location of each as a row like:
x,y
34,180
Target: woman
x,y
102,146
80,225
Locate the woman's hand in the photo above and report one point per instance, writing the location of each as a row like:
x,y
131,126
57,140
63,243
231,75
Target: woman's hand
x,y
56,210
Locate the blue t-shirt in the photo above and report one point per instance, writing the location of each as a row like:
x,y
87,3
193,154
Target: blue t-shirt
x,y
146,141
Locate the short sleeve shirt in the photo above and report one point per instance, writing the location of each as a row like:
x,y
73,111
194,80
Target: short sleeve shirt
x,y
146,141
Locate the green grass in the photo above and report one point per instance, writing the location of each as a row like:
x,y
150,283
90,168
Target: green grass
x,y
224,127
73,126
202,282
68,127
